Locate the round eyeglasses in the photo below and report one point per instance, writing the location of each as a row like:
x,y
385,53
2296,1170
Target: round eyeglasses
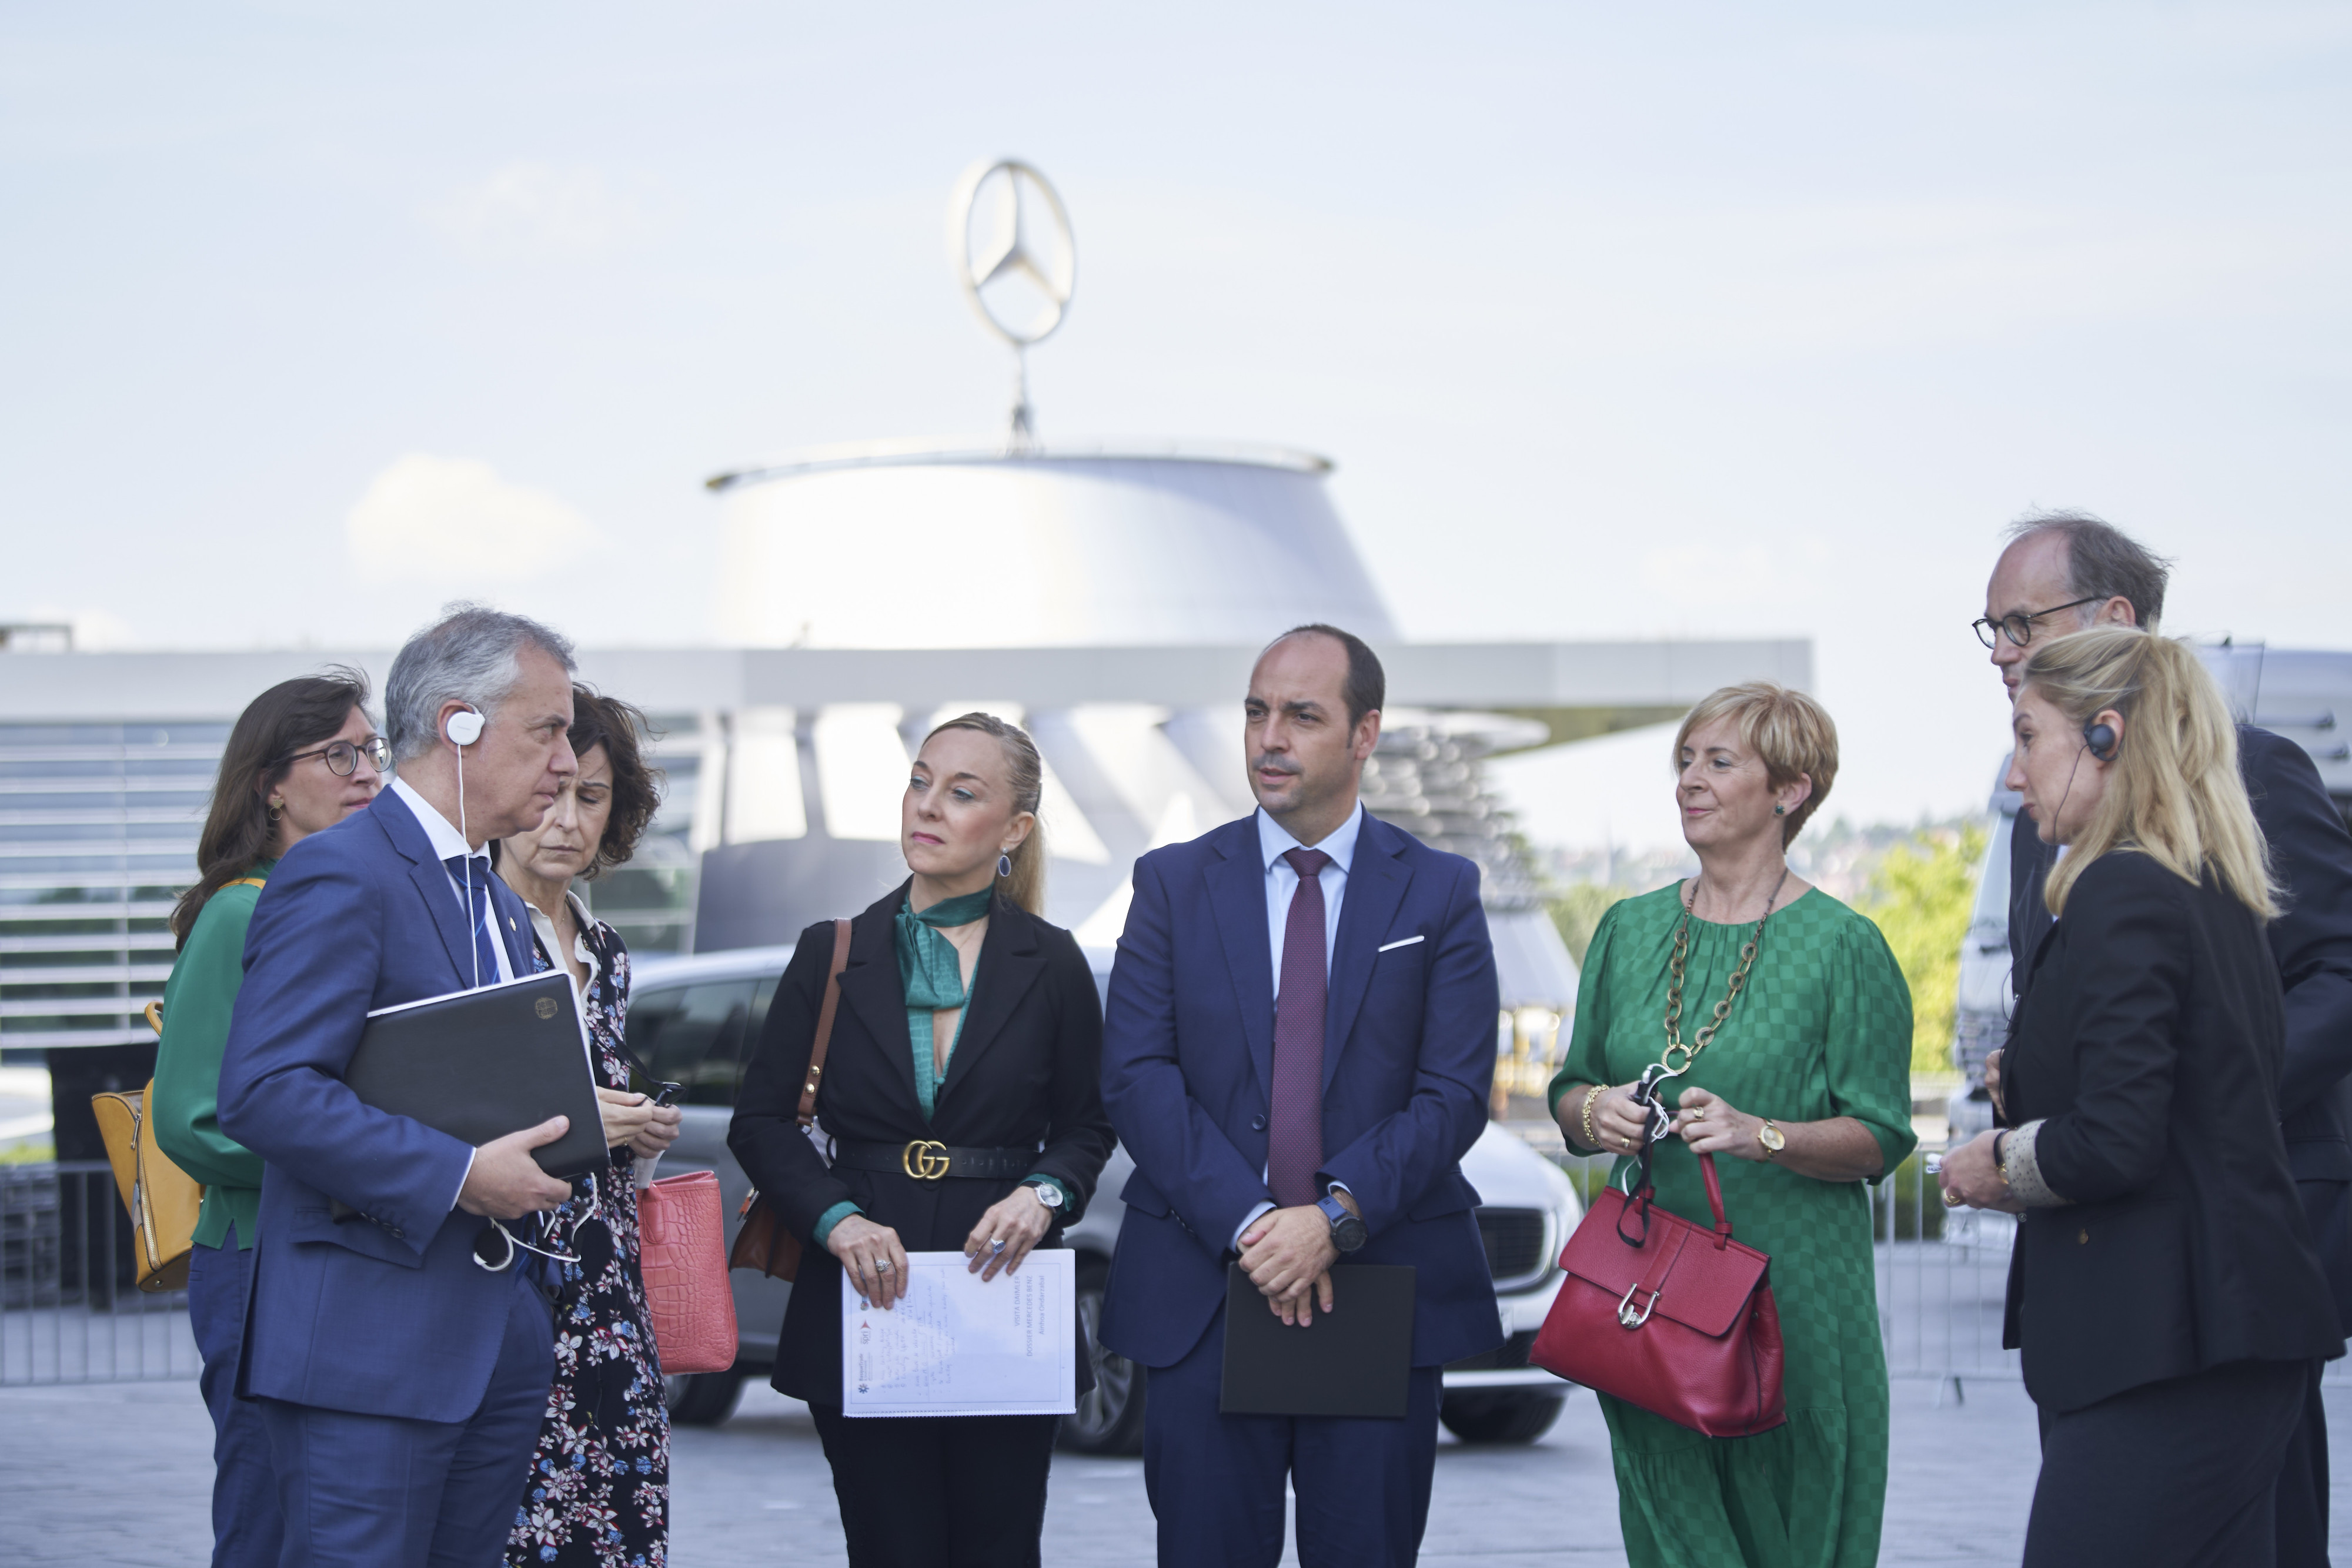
x,y
343,758
2019,629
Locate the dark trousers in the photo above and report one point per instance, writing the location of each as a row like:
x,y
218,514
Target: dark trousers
x,y
381,1491
951,1491
1217,1482
2303,1484
2180,1472
247,1529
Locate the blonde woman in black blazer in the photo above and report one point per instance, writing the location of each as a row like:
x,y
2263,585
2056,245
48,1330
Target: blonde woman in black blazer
x,y
2163,1288
1008,1077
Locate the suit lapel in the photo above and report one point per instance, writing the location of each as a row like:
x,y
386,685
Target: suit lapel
x,y
871,989
1237,896
1376,884
443,903
1009,963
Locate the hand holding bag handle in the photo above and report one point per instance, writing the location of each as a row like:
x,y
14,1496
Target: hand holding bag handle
x,y
1666,1315
763,1244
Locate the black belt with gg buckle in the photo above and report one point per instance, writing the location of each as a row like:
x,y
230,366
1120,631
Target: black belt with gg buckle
x,y
927,1160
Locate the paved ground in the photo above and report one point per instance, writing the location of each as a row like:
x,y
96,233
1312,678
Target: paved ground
x,y
119,1474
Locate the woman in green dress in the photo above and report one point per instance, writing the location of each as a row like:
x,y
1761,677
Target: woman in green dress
x,y
301,757
1799,1082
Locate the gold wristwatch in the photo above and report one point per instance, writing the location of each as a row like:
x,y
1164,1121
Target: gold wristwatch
x,y
1773,1139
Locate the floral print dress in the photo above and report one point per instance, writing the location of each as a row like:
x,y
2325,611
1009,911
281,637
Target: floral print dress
x,y
599,1487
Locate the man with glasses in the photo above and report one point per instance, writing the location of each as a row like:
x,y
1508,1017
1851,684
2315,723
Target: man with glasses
x,y
2066,571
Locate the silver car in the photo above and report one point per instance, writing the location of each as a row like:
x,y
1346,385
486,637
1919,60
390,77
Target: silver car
x,y
695,1021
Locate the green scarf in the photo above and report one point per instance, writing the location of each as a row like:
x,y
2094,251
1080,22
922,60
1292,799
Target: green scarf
x,y
932,977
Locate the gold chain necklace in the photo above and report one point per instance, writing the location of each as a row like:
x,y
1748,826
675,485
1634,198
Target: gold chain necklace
x,y
1706,1035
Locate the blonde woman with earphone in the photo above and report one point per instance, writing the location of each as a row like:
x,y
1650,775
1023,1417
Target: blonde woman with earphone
x,y
2162,1289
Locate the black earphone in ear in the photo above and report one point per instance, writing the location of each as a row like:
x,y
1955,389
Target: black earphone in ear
x,y
2101,739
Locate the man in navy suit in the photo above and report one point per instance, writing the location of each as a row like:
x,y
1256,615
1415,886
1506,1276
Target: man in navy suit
x,y
401,1353
2066,571
1297,1050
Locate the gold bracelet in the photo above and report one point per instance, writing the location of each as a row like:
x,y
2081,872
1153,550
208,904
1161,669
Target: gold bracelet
x,y
1592,1095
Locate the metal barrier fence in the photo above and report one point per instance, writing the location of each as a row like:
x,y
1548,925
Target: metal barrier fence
x,y
71,1311
71,1306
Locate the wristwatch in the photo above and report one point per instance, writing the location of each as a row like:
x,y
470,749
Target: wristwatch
x,y
1047,1193
1347,1232
1773,1139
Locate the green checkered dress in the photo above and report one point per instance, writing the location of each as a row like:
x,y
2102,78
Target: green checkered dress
x,y
1822,1030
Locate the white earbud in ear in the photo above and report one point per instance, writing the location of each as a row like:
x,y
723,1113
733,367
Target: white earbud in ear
x,y
465,728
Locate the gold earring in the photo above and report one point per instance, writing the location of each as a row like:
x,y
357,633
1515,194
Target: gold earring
x,y
276,810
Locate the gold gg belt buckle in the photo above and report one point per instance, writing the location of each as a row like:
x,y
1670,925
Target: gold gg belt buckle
x,y
924,1159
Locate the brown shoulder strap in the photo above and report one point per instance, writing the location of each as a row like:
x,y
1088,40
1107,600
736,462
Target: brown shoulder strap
x,y
824,1021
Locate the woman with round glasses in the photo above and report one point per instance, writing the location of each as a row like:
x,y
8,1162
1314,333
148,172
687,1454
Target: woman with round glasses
x,y
1788,1024
301,757
598,1491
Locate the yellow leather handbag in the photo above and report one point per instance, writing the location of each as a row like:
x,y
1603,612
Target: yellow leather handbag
x,y
162,1200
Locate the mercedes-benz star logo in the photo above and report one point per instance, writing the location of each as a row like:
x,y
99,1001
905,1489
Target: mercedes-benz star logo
x,y
994,245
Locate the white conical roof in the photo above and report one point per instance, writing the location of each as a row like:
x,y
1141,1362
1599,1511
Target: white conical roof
x,y
947,547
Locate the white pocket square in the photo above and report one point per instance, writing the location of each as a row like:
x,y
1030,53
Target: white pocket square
x,y
1400,942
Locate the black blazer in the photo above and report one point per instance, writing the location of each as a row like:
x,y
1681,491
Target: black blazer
x,y
1026,1074
2148,1046
2311,943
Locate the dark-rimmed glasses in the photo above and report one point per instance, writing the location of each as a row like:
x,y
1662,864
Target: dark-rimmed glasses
x,y
343,758
2019,629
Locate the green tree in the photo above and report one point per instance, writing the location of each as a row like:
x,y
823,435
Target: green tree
x,y
1578,913
1920,895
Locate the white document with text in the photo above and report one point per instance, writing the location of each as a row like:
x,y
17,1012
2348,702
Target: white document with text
x,y
955,1346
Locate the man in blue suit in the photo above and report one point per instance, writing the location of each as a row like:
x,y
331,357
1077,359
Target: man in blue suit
x,y
401,1354
1297,1050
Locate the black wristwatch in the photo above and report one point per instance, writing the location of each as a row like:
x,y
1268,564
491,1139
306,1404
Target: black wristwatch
x,y
1347,1232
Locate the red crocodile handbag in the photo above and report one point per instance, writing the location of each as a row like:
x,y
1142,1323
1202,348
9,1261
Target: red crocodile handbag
x,y
1667,1315
681,1248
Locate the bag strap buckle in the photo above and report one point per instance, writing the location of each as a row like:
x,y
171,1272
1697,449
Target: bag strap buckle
x,y
1629,1317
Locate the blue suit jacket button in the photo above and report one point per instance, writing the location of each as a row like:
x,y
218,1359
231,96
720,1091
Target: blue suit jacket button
x,y
1258,1124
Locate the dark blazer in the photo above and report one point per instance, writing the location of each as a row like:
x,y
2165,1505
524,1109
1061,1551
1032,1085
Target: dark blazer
x,y
2148,1046
1407,1059
2312,945
385,1313
1026,1074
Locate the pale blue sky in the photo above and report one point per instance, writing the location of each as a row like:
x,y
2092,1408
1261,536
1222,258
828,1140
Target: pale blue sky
x,y
1618,321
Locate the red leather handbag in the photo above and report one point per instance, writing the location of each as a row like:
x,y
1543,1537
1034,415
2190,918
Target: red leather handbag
x,y
1667,1315
681,1248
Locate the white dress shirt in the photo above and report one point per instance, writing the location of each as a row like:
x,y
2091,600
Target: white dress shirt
x,y
1274,842
448,841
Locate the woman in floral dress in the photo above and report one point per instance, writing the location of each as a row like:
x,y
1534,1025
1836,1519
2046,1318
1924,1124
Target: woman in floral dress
x,y
599,1487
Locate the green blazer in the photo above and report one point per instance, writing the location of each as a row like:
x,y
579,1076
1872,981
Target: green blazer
x,y
197,1002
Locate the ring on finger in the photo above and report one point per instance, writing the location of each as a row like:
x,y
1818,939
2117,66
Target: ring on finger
x,y
882,1267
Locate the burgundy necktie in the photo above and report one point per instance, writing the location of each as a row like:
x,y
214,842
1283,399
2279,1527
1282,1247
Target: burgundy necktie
x,y
1294,1141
